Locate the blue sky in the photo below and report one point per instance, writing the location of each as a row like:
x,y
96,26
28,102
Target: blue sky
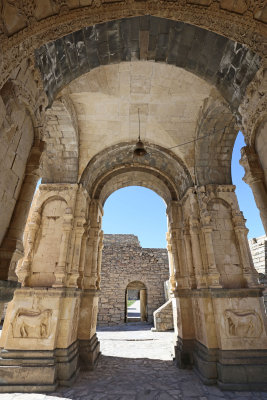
x,y
142,212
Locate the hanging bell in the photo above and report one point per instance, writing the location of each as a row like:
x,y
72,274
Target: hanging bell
x,y
139,149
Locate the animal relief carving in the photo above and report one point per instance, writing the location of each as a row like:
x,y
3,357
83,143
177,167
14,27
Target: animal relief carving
x,y
243,323
34,324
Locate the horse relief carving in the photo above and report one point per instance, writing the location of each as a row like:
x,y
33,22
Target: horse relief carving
x,y
243,323
33,324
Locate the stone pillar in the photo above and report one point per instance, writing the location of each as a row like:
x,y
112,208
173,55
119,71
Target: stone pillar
x,y
254,177
89,347
61,266
196,252
229,322
176,245
77,259
82,256
23,270
11,249
213,273
184,330
99,258
172,279
249,272
93,251
189,258
143,303
41,322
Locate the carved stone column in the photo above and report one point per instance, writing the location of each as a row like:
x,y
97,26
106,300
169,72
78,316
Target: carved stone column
x,y
143,303
249,272
24,267
172,279
11,249
189,258
61,267
213,274
78,232
254,177
176,260
182,259
99,258
197,257
175,239
82,256
91,266
89,347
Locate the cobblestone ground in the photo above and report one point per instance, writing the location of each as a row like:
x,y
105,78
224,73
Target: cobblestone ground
x,y
136,364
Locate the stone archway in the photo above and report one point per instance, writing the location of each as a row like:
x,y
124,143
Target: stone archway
x,y
213,303
57,322
136,291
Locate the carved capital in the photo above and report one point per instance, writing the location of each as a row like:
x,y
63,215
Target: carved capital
x,y
194,226
239,220
250,162
206,221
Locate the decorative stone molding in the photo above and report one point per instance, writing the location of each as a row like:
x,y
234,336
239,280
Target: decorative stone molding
x,y
219,18
254,177
254,106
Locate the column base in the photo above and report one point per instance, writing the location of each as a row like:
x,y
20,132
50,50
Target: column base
x,y
231,369
89,352
242,369
37,371
205,363
183,351
67,364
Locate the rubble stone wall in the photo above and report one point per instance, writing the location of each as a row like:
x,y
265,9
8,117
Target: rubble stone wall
x,y
163,317
258,248
125,261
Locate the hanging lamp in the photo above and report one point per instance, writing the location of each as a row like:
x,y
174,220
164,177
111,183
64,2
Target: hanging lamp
x,y
139,149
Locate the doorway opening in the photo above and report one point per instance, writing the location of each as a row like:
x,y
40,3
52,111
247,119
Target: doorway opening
x,y
135,302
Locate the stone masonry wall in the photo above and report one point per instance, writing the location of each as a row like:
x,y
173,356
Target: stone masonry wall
x,y
258,248
125,261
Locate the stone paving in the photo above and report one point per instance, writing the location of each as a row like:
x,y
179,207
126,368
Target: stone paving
x,y
136,364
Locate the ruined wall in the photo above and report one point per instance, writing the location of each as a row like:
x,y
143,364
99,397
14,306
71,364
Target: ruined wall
x,y
258,248
124,261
